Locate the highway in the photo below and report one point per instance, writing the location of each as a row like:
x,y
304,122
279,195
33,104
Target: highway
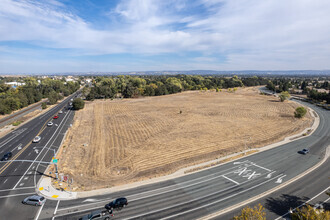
x,y
18,178
192,196
209,191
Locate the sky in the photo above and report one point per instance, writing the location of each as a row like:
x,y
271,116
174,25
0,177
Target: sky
x,y
60,36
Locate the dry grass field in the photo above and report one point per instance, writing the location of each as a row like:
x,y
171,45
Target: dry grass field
x,y
113,142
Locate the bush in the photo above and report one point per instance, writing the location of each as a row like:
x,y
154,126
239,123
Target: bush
x,y
283,96
16,123
300,112
78,103
44,105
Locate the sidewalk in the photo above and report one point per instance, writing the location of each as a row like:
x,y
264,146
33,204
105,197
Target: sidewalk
x,y
46,188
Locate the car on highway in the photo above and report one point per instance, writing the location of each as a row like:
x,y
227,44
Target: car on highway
x,y
50,124
60,112
117,204
56,117
303,151
99,214
7,156
36,139
35,200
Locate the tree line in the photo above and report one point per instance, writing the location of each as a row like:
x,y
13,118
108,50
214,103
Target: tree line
x,y
307,86
134,86
34,90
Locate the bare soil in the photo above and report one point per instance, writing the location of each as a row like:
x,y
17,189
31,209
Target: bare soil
x,y
113,142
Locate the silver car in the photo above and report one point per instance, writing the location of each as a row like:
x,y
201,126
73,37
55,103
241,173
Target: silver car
x,y
36,139
34,200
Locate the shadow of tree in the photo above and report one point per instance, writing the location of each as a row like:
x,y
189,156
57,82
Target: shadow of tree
x,y
282,204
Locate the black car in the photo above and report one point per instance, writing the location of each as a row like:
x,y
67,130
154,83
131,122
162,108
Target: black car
x,y
303,151
117,204
99,214
7,156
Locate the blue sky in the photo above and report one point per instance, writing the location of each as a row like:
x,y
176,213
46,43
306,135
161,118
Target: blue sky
x,y
55,36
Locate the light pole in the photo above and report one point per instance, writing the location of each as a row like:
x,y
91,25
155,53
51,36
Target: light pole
x,y
56,170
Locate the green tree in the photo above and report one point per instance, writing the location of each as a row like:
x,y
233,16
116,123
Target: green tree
x,y
300,112
284,96
78,103
255,213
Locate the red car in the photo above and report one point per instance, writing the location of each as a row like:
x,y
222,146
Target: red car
x,y
55,117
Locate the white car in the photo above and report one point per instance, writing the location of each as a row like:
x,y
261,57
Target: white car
x,y
60,112
50,124
36,139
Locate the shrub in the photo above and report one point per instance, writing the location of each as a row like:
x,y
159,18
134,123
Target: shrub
x,y
16,123
44,105
300,112
283,96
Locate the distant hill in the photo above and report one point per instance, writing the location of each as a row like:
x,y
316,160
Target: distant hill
x,y
202,72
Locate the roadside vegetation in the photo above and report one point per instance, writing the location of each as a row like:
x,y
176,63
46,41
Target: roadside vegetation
x,y
315,88
78,103
135,86
33,91
300,112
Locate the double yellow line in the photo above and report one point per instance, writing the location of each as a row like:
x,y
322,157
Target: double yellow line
x,y
21,151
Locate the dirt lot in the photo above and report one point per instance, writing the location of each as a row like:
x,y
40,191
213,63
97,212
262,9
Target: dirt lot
x,y
118,141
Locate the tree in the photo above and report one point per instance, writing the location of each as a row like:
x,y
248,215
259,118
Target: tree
x,y
309,213
255,213
284,95
78,103
300,112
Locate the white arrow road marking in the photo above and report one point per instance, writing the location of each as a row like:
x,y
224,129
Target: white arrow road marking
x,y
269,175
56,124
19,147
279,180
37,151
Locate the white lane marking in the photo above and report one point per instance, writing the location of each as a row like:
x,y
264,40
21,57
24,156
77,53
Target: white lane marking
x,y
261,167
22,184
22,194
5,181
38,214
25,178
29,154
176,205
15,169
230,179
143,198
34,161
163,189
65,119
30,187
58,202
29,173
9,139
303,203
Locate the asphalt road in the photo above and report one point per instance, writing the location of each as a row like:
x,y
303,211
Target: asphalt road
x,y
200,194
18,178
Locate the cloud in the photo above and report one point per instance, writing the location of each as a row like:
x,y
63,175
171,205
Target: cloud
x,y
251,34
